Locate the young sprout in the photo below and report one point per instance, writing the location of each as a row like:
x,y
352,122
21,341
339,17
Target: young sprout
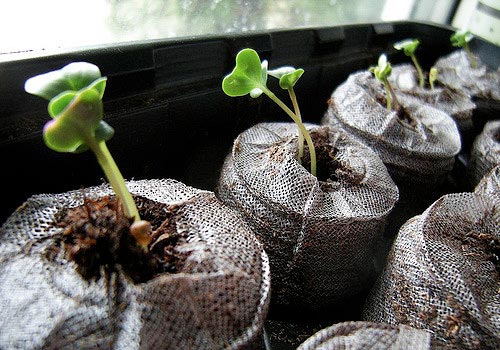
x,y
288,76
249,76
75,104
382,72
433,74
461,38
409,46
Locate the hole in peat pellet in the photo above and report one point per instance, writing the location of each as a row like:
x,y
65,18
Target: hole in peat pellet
x,y
97,237
496,135
488,247
328,166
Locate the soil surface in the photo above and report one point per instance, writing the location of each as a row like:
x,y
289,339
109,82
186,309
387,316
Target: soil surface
x,y
97,237
496,135
328,166
379,95
483,245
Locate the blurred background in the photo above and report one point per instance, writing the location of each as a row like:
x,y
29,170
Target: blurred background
x,y
34,25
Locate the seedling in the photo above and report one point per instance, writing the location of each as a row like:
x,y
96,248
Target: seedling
x,y
288,76
409,46
382,72
433,74
249,76
75,104
461,38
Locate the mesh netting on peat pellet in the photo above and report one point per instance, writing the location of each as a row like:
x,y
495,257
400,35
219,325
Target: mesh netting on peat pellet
x,y
216,298
455,71
362,335
485,152
455,103
321,235
417,145
442,274
490,184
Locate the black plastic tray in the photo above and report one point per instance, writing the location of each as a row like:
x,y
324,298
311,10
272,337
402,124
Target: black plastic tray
x,y
172,120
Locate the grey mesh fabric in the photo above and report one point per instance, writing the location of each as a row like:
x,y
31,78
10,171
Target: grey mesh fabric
x,y
441,274
422,153
490,184
321,236
455,103
485,152
456,73
218,299
361,335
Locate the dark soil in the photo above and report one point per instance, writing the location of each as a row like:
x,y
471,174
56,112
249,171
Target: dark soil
x,y
401,112
496,135
97,237
328,166
381,98
488,246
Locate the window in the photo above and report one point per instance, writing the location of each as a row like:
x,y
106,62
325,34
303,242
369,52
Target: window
x,y
34,25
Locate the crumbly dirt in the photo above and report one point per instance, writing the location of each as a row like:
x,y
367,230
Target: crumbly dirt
x,y
401,112
483,245
496,135
97,237
328,166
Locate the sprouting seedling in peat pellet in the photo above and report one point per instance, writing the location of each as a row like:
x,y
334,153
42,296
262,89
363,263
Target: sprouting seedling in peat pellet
x,y
461,38
249,76
409,46
75,104
382,72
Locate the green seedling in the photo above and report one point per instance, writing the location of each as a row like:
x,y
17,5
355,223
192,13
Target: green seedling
x,y
382,72
249,76
409,46
75,104
433,74
461,38
288,76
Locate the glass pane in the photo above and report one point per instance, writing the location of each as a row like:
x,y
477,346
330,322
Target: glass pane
x,y
61,24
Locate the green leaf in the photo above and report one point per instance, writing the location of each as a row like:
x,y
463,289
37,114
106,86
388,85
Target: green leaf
x,y
383,70
81,74
248,74
104,131
76,124
409,46
72,77
61,137
460,38
433,74
99,85
287,76
60,102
